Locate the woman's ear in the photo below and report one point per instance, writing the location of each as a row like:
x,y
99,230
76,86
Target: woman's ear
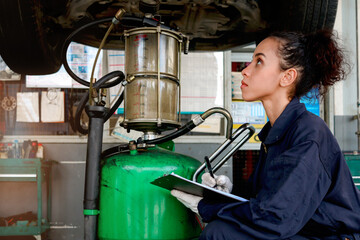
x,y
289,77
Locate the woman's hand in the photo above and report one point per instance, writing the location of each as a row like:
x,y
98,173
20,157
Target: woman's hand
x,y
221,182
190,201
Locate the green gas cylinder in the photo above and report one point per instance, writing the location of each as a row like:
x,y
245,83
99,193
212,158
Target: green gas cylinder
x,y
132,208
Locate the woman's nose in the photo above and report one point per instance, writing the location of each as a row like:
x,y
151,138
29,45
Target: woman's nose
x,y
245,71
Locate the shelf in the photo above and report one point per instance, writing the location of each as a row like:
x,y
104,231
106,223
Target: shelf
x,y
29,170
23,230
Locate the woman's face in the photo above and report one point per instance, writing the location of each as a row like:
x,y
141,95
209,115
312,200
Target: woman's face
x,y
262,76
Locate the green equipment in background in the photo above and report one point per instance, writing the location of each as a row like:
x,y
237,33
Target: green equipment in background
x,y
132,208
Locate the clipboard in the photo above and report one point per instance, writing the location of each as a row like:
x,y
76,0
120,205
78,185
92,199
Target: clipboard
x,y
174,181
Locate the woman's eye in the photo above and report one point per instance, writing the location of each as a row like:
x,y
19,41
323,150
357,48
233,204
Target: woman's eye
x,y
258,61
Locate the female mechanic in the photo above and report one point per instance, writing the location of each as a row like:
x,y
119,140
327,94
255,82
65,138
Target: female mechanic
x,y
301,187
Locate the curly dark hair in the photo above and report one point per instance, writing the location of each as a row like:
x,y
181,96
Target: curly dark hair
x,y
316,56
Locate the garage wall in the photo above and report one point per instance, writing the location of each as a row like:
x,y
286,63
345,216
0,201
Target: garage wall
x,y
346,92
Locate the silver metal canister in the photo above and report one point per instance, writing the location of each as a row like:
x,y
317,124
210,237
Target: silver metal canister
x,y
152,66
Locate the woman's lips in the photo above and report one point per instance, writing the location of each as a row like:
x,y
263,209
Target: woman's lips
x,y
243,84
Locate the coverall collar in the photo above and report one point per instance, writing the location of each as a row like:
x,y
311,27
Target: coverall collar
x,y
293,110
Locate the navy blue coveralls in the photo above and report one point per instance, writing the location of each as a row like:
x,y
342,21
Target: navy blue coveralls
x,y
300,189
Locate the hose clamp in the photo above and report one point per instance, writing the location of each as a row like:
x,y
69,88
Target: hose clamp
x,y
115,21
91,212
198,120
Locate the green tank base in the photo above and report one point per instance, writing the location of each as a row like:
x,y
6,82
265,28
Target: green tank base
x,y
132,208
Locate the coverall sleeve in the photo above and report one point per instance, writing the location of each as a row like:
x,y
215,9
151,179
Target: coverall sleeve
x,y
294,184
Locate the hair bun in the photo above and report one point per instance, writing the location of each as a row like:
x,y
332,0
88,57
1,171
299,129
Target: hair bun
x,y
325,58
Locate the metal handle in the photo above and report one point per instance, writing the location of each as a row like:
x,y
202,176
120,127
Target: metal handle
x,y
244,127
225,113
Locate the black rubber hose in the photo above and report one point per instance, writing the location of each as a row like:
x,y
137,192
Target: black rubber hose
x,y
81,107
181,131
124,20
125,147
132,22
78,113
71,113
71,36
97,85
66,45
115,106
101,83
115,150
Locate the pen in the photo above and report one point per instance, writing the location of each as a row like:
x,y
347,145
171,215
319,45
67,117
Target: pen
x,y
208,166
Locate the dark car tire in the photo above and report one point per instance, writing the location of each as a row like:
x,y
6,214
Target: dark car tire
x,y
300,15
30,41
312,15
